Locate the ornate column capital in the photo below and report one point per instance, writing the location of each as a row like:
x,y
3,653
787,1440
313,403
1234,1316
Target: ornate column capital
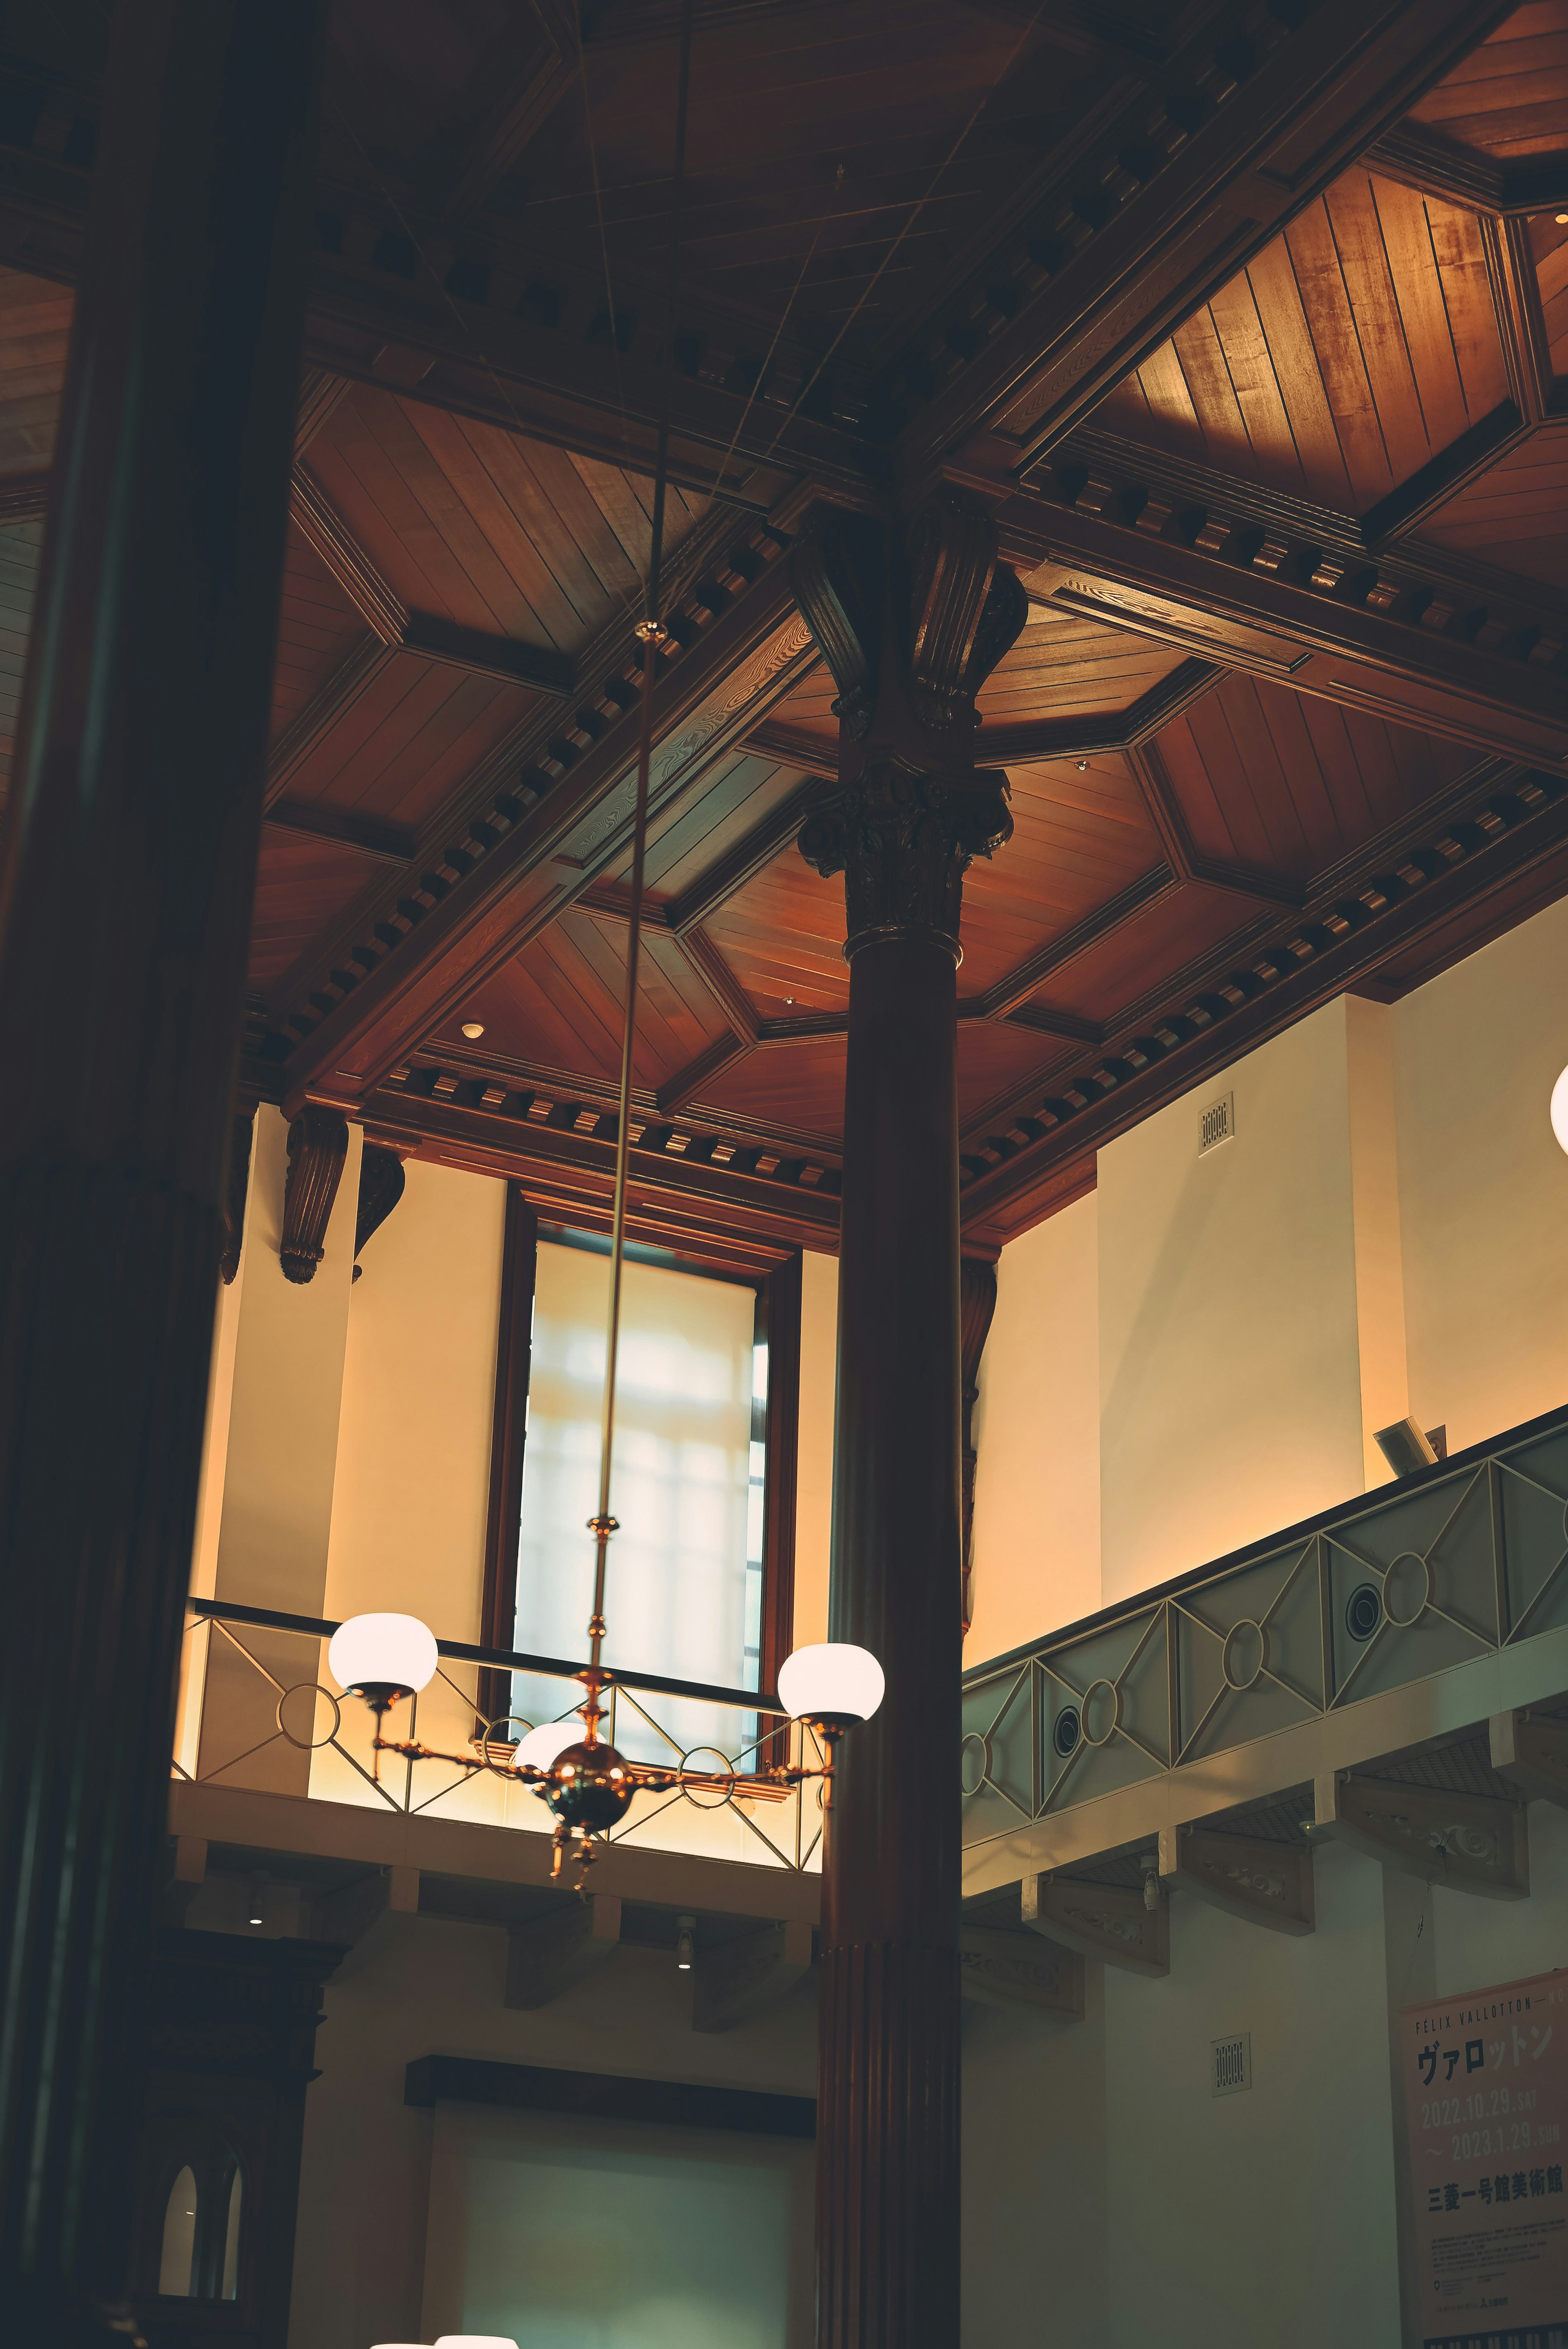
x,y
903,839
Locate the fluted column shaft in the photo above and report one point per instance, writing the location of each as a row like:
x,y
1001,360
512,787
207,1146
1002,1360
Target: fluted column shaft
x,y
909,617
888,2082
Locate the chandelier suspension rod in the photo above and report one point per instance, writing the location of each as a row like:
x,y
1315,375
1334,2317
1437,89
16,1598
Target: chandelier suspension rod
x,y
652,634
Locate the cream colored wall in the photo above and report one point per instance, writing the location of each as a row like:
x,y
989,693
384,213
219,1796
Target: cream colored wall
x,y
1229,1352
281,1459
814,1478
412,1491
419,1387
1037,1436
1483,1187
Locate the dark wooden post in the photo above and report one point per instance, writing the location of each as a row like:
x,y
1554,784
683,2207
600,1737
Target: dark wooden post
x,y
909,622
124,913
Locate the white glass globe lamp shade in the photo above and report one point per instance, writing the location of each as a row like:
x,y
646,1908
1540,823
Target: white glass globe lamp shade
x,y
832,1684
1560,1110
544,1746
382,1658
473,2341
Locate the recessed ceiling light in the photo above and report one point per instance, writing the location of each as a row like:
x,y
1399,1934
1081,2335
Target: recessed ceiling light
x,y
473,1030
1562,219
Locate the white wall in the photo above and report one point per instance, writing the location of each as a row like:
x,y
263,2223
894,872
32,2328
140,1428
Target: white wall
x,y
1483,1187
1266,2216
1037,1436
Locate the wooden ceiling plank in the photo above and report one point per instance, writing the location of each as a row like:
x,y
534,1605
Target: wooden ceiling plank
x,y
1295,362
1253,383
359,669
380,507
1242,755
566,527
1438,267
496,537
1320,277
1384,345
435,461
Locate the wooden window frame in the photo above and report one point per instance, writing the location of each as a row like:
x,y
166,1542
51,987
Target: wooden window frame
x,y
508,1425
779,1296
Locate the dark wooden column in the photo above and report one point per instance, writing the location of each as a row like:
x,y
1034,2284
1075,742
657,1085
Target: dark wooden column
x,y
909,620
125,880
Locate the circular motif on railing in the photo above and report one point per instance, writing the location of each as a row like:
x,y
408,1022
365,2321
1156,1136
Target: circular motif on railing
x,y
1245,1656
969,1779
710,1798
493,1745
1101,1712
1363,1611
312,1689
1406,1588
1067,1730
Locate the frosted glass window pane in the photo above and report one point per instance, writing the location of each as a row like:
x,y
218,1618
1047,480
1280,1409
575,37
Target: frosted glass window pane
x,y
676,1597
179,2238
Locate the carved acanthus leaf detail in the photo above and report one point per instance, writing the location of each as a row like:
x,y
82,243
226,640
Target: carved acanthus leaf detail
x,y
903,841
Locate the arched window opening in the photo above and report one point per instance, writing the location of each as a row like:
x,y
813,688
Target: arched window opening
x,y
175,2269
199,2257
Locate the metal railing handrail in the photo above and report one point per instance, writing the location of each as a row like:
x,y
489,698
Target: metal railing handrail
x,y
463,1652
1327,1521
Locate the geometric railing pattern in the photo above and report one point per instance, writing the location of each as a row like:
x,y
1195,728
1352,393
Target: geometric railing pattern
x,y
255,1713
1464,1558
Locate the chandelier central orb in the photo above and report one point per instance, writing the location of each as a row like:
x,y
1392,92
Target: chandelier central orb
x,y
589,1789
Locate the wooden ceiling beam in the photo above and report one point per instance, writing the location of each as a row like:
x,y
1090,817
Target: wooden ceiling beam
x,y
688,1175
1368,632
521,341
534,854
1119,245
371,836
550,67
1421,158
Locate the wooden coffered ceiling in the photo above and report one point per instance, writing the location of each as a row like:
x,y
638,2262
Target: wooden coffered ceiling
x,y
1248,322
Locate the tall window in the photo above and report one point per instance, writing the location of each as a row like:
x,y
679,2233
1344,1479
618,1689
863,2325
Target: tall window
x,y
685,1591
702,1573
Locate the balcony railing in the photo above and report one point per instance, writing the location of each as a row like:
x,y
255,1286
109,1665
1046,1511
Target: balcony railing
x,y
257,1711
1368,1622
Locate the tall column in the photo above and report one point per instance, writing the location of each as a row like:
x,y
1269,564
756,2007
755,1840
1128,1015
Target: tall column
x,y
125,902
910,621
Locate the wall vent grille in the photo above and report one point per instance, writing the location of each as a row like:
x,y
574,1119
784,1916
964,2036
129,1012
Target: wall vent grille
x,y
1217,1124
1230,2063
